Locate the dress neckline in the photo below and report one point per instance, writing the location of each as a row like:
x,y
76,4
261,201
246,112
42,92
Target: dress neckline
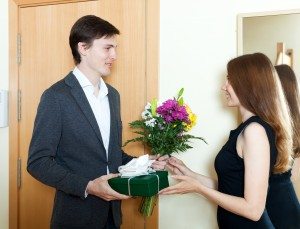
x,y
250,118
242,124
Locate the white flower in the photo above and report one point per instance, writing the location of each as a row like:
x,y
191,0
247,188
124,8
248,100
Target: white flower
x,y
148,106
150,122
160,126
146,114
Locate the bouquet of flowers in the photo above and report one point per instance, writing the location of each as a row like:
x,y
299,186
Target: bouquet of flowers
x,y
164,129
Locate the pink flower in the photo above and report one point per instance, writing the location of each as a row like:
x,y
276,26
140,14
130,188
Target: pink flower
x,y
171,111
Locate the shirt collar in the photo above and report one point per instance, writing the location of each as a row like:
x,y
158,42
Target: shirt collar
x,y
103,88
84,82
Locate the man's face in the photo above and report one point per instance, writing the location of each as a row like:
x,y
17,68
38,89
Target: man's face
x,y
100,57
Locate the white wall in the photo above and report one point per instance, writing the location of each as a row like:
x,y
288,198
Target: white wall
x,y
197,38
4,131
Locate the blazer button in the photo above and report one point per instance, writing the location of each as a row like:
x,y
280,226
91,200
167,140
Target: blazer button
x,y
108,163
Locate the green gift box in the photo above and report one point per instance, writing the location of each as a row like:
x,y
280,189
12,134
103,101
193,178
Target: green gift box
x,y
145,185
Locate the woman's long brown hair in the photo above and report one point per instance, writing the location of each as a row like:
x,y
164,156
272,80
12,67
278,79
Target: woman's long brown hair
x,y
291,91
258,88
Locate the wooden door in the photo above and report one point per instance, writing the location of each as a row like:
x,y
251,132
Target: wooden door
x,y
46,58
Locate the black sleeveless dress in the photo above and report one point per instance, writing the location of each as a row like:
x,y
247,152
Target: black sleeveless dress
x,y
282,204
230,170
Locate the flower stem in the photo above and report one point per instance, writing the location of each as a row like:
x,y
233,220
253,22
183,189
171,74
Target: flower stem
x,y
147,205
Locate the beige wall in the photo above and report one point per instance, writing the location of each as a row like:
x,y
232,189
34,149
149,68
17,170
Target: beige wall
x,y
197,40
4,131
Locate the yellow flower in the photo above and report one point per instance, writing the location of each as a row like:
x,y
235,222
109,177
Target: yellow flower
x,y
192,118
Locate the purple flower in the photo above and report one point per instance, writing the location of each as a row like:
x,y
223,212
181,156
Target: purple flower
x,y
171,111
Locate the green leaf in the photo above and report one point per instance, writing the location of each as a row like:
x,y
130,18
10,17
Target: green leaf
x,y
180,93
180,101
139,139
153,107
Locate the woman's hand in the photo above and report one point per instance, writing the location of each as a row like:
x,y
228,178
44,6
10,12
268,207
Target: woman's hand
x,y
177,167
186,185
160,161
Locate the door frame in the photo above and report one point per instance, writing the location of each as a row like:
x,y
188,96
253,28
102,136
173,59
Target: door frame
x,y
152,77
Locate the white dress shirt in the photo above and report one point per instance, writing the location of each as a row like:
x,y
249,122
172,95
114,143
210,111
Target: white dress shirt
x,y
99,105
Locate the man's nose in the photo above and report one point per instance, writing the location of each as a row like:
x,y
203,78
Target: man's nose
x,y
113,54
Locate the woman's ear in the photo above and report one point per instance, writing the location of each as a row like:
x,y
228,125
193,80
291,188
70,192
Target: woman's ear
x,y
82,48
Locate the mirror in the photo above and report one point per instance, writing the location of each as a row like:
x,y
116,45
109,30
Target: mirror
x,y
275,34
264,32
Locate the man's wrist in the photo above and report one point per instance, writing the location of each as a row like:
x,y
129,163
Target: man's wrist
x,y
89,188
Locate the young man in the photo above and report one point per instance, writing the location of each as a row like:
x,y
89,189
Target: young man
x,y
76,142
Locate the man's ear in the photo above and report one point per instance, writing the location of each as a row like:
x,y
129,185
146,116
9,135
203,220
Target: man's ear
x,y
82,48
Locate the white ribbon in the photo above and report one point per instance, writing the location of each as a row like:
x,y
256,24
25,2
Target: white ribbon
x,y
137,167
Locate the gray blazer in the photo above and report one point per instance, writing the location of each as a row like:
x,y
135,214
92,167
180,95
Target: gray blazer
x,y
66,152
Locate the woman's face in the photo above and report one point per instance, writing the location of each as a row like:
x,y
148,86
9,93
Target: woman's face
x,y
232,99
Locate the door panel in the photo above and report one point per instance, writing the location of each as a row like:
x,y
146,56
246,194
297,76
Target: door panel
x,y
46,58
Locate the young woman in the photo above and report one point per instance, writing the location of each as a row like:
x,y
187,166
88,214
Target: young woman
x,y
282,204
260,145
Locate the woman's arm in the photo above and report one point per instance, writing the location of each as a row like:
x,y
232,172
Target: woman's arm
x,y
207,181
255,149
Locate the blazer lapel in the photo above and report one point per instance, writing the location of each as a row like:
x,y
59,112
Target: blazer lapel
x,y
83,103
113,121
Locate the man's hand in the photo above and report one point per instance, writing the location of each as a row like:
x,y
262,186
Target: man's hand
x,y
100,187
